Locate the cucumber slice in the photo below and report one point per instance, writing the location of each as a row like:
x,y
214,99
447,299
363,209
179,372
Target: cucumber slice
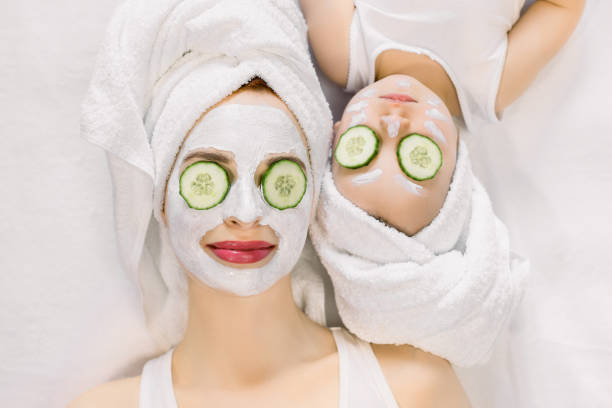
x,y
203,185
419,157
356,147
284,184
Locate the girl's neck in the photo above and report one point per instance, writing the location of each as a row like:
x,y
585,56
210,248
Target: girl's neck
x,y
424,69
234,341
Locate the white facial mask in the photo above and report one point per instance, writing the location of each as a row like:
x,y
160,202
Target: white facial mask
x,y
358,119
251,133
357,106
367,178
404,83
367,93
436,114
393,125
407,184
435,131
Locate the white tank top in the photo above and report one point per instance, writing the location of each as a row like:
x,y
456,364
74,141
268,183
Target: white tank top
x,y
362,383
468,38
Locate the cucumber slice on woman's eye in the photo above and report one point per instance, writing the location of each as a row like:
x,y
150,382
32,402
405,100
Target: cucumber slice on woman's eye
x,y
203,185
356,147
419,157
284,184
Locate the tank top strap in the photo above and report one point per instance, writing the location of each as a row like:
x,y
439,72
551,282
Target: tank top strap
x,y
362,382
156,383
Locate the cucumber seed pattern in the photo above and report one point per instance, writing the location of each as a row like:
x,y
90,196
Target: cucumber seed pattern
x,y
284,185
203,184
355,146
420,157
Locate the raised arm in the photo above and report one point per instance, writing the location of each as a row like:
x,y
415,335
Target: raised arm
x,y
329,23
533,41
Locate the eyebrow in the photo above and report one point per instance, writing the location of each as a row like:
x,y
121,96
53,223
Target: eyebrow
x,y
212,156
284,156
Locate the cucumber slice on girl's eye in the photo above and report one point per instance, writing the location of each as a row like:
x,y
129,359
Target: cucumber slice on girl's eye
x,y
284,184
203,185
419,157
356,147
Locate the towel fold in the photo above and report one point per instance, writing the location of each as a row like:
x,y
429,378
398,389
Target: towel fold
x,y
448,290
163,64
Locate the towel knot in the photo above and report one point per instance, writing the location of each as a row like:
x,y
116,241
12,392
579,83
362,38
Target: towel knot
x,y
234,28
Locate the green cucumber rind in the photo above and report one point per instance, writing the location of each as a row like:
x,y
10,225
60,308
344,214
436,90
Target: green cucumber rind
x,y
374,153
267,172
399,159
220,199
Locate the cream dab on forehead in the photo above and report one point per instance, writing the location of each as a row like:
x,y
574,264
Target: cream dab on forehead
x,y
408,185
393,125
436,114
367,178
433,102
358,119
435,131
355,107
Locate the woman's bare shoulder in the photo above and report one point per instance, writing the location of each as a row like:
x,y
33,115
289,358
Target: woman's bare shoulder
x,y
121,393
418,378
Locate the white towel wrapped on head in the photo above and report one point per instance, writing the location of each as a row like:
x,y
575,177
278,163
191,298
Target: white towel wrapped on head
x,y
448,290
162,65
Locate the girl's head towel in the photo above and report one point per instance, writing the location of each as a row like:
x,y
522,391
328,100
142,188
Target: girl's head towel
x,y
448,290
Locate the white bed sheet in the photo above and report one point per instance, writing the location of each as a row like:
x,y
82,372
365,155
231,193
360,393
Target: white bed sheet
x,y
69,318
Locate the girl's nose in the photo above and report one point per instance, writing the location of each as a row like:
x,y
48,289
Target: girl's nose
x,y
394,125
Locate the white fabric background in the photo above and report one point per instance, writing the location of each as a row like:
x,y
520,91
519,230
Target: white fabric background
x,y
69,318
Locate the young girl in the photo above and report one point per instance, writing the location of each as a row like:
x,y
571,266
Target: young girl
x,y
422,258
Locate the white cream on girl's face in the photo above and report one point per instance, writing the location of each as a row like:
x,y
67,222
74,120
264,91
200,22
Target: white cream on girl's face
x,y
367,178
251,134
394,109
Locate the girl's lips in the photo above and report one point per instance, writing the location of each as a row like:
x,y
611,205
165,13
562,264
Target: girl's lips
x,y
398,97
241,252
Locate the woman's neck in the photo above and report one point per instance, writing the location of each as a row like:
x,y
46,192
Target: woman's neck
x,y
424,69
233,341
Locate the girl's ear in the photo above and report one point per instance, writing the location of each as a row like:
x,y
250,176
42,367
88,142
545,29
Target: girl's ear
x,y
336,127
336,135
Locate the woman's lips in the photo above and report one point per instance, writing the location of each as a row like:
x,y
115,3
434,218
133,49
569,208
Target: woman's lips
x,y
241,252
398,97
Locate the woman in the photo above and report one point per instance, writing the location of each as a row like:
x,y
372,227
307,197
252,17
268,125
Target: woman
x,y
234,181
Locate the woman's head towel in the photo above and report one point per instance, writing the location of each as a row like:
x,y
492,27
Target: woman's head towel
x,y
448,290
163,63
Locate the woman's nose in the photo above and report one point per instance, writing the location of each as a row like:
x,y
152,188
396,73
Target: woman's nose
x,y
236,222
245,207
